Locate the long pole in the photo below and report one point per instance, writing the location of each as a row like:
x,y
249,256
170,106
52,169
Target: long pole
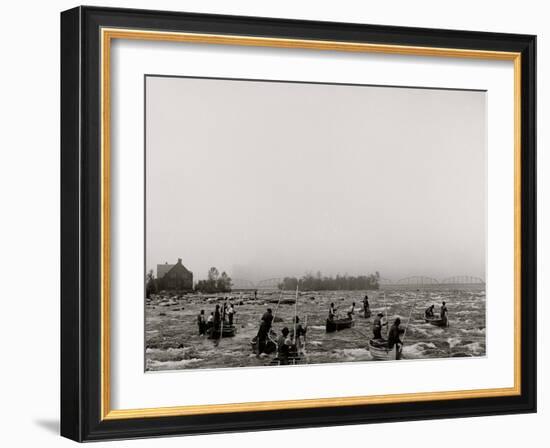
x,y
305,338
295,314
410,315
222,314
274,315
278,303
385,312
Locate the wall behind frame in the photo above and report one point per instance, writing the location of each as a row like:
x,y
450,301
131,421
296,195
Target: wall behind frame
x,y
29,228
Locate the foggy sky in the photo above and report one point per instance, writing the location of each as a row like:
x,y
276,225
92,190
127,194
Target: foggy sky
x,y
268,179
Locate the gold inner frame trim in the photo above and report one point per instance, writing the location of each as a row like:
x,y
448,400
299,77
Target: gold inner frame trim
x,y
107,35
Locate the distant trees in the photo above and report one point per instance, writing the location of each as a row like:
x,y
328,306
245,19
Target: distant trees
x,y
151,286
317,282
215,282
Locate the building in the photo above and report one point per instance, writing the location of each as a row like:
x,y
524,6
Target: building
x,y
174,277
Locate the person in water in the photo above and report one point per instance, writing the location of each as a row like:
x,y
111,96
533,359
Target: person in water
x,y
377,326
366,306
201,321
263,332
429,312
332,312
351,311
283,346
394,338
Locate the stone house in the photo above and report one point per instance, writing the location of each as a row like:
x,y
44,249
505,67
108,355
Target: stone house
x,y
174,277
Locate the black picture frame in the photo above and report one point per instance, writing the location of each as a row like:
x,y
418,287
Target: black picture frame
x,y
81,224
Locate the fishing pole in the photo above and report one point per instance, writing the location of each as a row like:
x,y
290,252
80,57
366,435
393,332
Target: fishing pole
x,y
274,315
386,313
295,314
408,321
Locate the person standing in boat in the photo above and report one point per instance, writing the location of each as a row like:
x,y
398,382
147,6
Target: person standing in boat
x,y
217,317
332,312
394,338
283,346
429,312
201,321
230,313
263,332
351,311
299,336
210,321
366,306
443,312
377,326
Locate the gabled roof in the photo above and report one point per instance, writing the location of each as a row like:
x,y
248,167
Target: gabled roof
x,y
163,269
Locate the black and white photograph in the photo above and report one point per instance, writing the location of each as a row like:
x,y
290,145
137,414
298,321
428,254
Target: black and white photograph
x,y
295,223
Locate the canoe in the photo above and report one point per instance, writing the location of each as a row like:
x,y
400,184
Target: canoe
x,y
227,331
290,361
365,315
437,321
338,324
380,352
293,359
270,346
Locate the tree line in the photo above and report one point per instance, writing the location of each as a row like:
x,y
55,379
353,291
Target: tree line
x,y
215,282
319,282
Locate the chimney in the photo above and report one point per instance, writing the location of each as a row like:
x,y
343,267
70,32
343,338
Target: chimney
x,y
179,260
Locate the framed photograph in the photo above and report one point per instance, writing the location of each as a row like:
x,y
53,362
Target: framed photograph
x,y
273,223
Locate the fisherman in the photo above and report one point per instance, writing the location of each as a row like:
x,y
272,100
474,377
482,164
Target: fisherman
x,y
201,321
210,321
443,313
230,313
263,332
331,312
366,306
299,336
429,313
217,317
377,326
283,346
393,338
351,311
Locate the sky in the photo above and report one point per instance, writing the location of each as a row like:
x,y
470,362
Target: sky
x,y
272,179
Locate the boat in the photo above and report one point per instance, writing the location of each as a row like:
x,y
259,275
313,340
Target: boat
x,y
270,345
380,352
365,315
437,321
294,358
283,301
227,331
339,324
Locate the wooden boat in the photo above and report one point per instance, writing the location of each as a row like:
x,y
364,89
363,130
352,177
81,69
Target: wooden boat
x,y
339,324
270,345
227,331
293,359
283,301
365,315
437,321
380,352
